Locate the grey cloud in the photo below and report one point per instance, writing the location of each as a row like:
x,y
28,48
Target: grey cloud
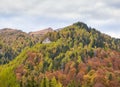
x,y
93,12
113,3
54,7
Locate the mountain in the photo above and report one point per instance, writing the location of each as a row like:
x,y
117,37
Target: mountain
x,y
77,56
12,42
41,32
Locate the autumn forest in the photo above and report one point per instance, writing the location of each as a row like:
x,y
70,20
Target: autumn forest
x,y
73,56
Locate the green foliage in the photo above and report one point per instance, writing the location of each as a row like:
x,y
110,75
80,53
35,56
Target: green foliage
x,y
7,74
44,82
72,84
110,77
53,82
88,68
50,83
7,78
12,42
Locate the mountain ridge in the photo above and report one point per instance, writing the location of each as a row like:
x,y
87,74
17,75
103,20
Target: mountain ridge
x,y
41,32
49,29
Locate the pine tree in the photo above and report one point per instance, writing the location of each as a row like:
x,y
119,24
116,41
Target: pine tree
x,y
44,82
53,82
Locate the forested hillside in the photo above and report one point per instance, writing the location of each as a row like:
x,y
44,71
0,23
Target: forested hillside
x,y
13,41
77,56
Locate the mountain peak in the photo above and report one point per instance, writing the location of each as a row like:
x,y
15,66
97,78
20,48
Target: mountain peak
x,y
81,25
42,31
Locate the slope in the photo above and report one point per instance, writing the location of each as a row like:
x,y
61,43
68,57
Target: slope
x,y
78,56
13,41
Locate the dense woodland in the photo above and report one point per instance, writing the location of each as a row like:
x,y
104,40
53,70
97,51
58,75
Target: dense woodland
x,y
12,42
77,56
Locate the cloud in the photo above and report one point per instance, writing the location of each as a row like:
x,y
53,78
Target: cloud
x,y
33,14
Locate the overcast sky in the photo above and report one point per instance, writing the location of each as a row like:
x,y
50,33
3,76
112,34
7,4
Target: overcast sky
x,y
31,15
